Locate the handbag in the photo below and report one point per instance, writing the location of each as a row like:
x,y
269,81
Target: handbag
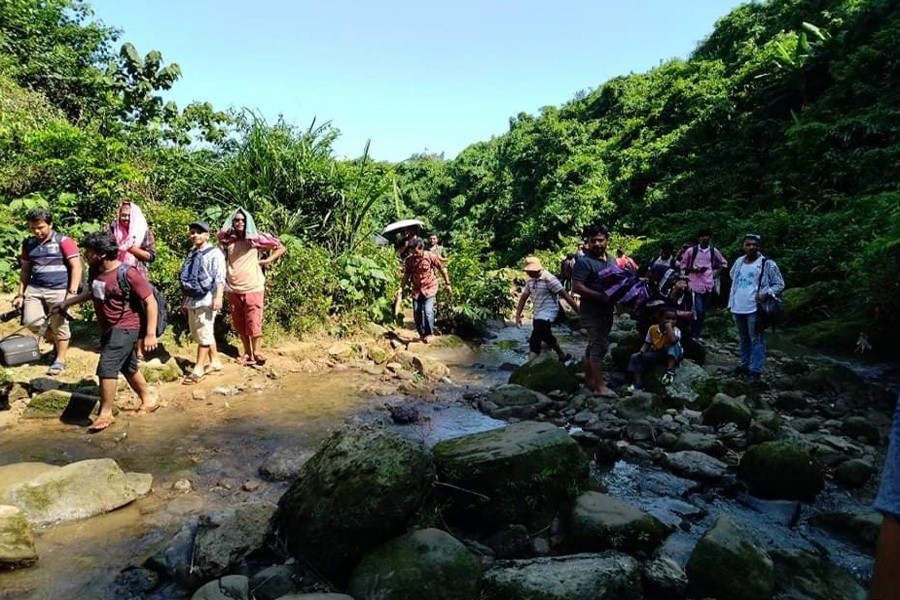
x,y
771,307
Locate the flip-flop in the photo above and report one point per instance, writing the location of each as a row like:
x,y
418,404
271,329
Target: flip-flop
x,y
245,360
191,379
610,394
146,410
101,423
260,359
56,368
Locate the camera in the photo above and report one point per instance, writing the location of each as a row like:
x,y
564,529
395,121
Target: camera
x,y
10,315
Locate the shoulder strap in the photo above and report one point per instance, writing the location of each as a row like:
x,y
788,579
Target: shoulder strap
x,y
122,280
762,269
694,250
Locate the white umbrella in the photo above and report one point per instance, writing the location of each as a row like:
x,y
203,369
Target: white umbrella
x,y
401,225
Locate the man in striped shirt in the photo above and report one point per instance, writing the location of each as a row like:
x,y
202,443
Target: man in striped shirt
x,y
51,272
543,289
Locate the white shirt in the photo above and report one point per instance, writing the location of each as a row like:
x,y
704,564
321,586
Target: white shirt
x,y
544,290
745,286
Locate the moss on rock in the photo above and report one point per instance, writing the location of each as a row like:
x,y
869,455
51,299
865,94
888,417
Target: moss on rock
x,y
545,374
782,470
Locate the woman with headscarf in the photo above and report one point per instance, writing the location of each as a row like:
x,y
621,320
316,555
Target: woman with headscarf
x,y
137,246
244,247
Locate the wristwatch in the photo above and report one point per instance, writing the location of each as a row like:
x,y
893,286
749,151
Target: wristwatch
x,y
72,292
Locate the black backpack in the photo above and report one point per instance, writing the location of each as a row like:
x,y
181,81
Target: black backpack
x,y
162,317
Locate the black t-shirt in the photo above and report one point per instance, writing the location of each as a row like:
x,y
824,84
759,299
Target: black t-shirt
x,y
587,271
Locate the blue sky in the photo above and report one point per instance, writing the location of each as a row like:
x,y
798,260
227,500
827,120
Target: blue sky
x,y
410,76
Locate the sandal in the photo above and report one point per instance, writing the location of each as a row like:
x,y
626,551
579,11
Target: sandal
x,y
56,368
191,379
245,360
147,409
260,359
101,423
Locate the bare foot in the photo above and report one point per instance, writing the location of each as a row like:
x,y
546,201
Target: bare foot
x,y
605,392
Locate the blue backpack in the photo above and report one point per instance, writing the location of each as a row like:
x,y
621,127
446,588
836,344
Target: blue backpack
x,y
196,280
162,316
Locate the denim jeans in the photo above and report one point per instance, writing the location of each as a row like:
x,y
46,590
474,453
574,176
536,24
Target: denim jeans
x,y
752,341
423,314
638,363
888,500
701,303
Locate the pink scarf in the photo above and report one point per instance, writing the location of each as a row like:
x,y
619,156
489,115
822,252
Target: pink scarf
x,y
132,236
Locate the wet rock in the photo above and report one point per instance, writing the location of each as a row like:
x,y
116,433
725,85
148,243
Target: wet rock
x,y
783,512
727,564
700,442
273,583
251,485
427,564
861,428
666,440
359,490
76,491
132,583
800,575
639,431
230,587
695,465
156,371
16,540
342,351
688,377
545,374
725,409
806,425
511,541
316,596
224,538
791,400
284,464
600,522
664,579
782,470
48,405
517,474
854,473
860,529
174,557
514,401
639,406
607,576
182,486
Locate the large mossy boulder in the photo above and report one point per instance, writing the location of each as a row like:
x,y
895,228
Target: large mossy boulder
x,y
726,564
800,575
427,564
224,538
607,576
16,540
359,490
76,491
156,371
518,474
725,409
600,522
782,470
545,374
681,392
514,401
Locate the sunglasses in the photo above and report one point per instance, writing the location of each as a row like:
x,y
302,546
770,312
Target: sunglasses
x,y
237,220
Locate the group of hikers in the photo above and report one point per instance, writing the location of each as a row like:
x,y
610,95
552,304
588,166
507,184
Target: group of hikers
x,y
129,309
670,300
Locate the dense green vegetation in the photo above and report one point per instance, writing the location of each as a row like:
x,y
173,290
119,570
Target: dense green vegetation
x,y
783,122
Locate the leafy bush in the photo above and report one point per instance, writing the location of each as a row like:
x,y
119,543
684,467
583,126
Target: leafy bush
x,y
481,291
300,288
366,282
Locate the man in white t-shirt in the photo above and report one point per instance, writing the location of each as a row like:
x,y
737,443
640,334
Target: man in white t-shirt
x,y
754,278
543,289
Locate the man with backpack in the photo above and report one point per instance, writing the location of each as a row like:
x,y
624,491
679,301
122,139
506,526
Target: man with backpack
x,y
203,285
702,264
51,272
117,291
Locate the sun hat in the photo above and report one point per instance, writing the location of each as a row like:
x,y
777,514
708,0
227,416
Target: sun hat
x,y
533,263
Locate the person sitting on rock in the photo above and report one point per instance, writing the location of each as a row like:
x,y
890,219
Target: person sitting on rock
x,y
543,289
661,345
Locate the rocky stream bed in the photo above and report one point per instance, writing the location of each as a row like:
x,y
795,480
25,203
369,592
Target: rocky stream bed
x,y
452,472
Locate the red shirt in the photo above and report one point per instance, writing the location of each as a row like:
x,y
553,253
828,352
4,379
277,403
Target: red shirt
x,y
112,307
421,273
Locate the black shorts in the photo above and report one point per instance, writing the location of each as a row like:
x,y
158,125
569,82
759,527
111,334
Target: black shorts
x,y
540,333
117,353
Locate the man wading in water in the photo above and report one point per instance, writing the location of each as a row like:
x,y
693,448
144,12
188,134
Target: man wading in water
x,y
596,309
